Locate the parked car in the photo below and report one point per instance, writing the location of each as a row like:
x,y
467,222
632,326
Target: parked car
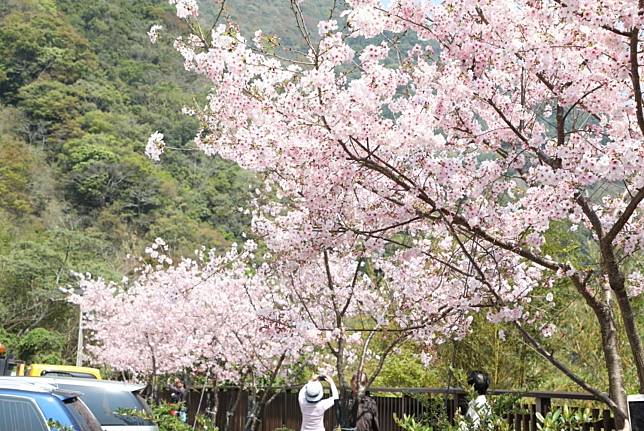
x,y
34,406
108,400
10,366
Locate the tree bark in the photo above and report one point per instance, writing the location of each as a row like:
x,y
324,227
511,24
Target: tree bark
x,y
610,347
215,402
612,358
616,281
254,416
230,413
251,415
154,390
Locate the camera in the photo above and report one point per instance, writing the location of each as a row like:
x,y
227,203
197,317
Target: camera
x,y
321,377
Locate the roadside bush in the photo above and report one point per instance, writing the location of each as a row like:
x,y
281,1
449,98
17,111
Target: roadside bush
x,y
164,415
564,419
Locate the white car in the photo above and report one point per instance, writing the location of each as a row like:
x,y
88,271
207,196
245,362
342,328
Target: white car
x,y
106,399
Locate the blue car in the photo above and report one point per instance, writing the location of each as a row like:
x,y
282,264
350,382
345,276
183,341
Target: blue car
x,y
26,406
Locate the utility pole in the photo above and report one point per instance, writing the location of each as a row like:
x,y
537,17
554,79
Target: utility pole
x,y
79,346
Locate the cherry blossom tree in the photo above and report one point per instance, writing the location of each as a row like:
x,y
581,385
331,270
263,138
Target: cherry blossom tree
x,y
365,307
210,314
249,324
501,118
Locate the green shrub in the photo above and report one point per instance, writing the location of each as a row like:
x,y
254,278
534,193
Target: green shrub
x,y
564,419
410,423
41,345
163,415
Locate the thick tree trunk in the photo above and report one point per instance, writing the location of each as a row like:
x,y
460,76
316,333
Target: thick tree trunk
x,y
603,311
340,406
634,339
616,281
612,358
252,420
256,407
342,382
153,380
215,403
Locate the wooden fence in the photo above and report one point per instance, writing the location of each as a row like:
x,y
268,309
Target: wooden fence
x,y
284,412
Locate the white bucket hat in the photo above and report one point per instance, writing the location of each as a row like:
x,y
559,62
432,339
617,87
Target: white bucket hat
x,y
313,392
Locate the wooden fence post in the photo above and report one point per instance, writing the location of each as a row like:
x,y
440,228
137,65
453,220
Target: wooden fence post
x,y
543,405
284,401
456,402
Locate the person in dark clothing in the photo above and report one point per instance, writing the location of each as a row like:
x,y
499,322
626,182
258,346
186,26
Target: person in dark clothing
x,y
179,395
360,410
177,391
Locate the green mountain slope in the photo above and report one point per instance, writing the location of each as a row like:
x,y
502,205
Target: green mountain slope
x,y
274,17
81,89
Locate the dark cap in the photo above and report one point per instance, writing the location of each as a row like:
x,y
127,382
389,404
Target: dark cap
x,y
480,381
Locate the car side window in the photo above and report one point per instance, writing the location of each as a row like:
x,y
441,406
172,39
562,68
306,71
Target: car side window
x,y
20,414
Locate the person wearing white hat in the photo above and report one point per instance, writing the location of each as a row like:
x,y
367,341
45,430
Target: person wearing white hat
x,y
313,404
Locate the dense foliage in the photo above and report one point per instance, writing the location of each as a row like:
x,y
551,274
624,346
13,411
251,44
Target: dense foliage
x,y
80,91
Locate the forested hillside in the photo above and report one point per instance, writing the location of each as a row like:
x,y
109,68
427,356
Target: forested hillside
x,y
81,89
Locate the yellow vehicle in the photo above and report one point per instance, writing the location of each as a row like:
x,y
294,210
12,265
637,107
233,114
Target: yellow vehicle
x,y
9,366
47,370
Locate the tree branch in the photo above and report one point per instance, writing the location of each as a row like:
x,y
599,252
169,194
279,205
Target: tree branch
x,y
623,219
561,367
635,77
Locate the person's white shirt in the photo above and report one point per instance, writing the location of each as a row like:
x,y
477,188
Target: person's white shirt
x,y
313,412
476,409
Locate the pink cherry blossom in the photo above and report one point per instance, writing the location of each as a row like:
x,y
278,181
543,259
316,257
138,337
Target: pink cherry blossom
x,y
153,33
155,146
446,163
186,8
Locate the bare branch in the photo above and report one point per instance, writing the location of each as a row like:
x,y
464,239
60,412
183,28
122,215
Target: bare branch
x,y
561,367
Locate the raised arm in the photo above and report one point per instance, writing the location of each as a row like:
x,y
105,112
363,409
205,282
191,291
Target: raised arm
x,y
327,403
334,391
301,397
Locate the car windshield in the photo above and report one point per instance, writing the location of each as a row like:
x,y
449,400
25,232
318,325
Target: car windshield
x,y
83,417
110,406
74,374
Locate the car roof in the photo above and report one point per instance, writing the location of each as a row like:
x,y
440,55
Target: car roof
x,y
13,385
24,385
55,382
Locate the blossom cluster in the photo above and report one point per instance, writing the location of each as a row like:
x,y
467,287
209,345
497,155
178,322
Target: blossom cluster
x,y
205,313
493,128
155,146
443,164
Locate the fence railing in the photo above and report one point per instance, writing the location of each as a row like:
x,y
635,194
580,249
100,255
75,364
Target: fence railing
x,y
284,412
